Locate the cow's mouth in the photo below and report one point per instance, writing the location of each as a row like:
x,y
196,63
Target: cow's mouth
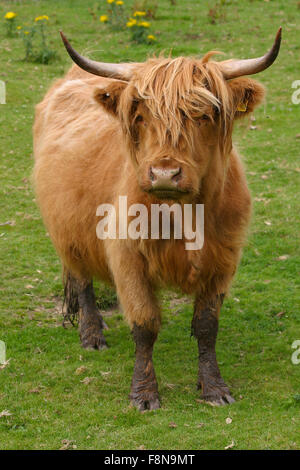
x,y
168,193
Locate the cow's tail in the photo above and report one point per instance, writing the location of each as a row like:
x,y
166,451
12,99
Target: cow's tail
x,y
70,307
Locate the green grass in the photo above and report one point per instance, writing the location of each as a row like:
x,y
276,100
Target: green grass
x,y
47,400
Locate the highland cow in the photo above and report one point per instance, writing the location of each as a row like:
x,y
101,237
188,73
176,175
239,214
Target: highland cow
x,y
158,131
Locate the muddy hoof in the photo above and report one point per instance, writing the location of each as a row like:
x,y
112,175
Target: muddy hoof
x,y
93,342
150,403
218,400
217,393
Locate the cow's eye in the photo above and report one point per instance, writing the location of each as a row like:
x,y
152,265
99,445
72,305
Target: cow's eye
x,y
139,118
204,117
183,115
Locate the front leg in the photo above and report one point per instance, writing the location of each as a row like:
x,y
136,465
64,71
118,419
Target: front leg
x,y
135,292
205,329
144,388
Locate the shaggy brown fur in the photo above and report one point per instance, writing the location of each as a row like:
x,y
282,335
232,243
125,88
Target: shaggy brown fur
x,y
96,138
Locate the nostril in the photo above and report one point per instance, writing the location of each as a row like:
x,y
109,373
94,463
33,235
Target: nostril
x,y
177,175
151,174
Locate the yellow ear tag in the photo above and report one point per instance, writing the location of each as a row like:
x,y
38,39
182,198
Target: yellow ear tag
x,y
242,107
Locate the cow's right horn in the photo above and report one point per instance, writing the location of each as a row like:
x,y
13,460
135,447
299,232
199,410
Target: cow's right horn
x,y
239,68
119,71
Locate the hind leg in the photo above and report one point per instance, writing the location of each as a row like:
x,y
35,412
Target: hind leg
x,y
80,298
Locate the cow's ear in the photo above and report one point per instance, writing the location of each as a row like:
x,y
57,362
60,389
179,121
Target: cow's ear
x,y
246,95
109,96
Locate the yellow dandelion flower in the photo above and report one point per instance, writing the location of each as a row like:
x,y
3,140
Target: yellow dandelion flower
x,y
144,24
103,18
10,15
119,2
19,27
151,37
41,18
26,32
131,22
139,13
110,1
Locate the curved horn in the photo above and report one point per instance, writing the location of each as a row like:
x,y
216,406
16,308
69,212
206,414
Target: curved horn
x,y
119,71
238,68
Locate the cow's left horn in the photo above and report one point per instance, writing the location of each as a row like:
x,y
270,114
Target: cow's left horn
x,y
119,71
238,68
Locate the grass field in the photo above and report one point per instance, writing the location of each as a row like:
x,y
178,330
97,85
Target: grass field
x,y
49,401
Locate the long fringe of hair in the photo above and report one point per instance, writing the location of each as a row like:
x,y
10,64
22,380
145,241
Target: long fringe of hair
x,y
178,89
